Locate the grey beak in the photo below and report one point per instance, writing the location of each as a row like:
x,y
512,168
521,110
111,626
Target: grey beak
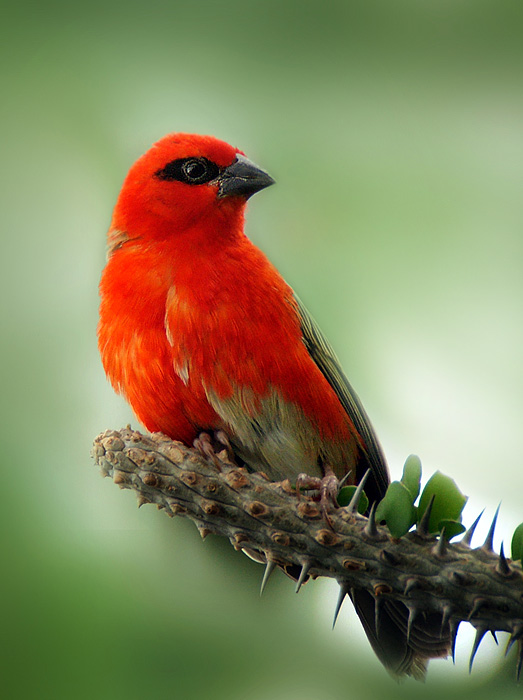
x,y
242,178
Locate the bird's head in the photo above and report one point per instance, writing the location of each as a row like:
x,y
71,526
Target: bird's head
x,y
182,181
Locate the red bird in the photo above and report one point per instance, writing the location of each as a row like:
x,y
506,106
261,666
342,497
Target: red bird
x,y
199,332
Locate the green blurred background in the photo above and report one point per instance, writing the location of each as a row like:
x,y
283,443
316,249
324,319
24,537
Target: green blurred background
x,y
395,133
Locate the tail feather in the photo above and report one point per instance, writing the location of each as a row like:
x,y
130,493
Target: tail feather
x,y
401,653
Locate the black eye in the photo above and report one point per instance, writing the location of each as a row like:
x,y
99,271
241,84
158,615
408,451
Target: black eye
x,y
192,171
195,170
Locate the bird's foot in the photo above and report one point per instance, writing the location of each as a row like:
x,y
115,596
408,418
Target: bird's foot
x,y
327,487
227,452
215,448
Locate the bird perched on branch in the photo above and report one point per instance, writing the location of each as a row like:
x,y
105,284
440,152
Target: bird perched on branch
x,y
200,333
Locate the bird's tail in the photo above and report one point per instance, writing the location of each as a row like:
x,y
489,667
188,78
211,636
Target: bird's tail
x,y
403,647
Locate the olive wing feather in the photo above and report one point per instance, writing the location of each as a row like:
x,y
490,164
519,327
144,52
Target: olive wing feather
x,y
325,358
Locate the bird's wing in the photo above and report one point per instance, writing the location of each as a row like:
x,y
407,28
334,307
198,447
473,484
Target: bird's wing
x,y
400,650
325,358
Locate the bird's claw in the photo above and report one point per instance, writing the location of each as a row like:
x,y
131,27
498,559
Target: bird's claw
x,y
203,443
215,448
327,487
222,439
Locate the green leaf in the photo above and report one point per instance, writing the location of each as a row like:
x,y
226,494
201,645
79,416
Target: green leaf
x,y
412,475
396,509
452,528
448,502
345,497
517,543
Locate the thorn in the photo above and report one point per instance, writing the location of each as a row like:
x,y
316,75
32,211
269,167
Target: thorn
x,y
480,633
422,528
413,613
341,597
303,574
467,537
502,566
445,617
410,585
476,607
440,548
269,568
142,500
487,545
517,632
355,500
344,479
204,531
454,627
390,557
510,643
462,579
370,528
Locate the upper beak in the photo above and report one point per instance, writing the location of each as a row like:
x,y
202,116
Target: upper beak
x,y
242,178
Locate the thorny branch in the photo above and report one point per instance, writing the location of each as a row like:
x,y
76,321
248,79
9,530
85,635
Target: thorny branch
x,y
424,573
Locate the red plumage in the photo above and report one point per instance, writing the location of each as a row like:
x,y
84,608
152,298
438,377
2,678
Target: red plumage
x,y
190,307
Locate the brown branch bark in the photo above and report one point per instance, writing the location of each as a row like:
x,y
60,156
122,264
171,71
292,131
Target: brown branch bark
x,y
424,573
